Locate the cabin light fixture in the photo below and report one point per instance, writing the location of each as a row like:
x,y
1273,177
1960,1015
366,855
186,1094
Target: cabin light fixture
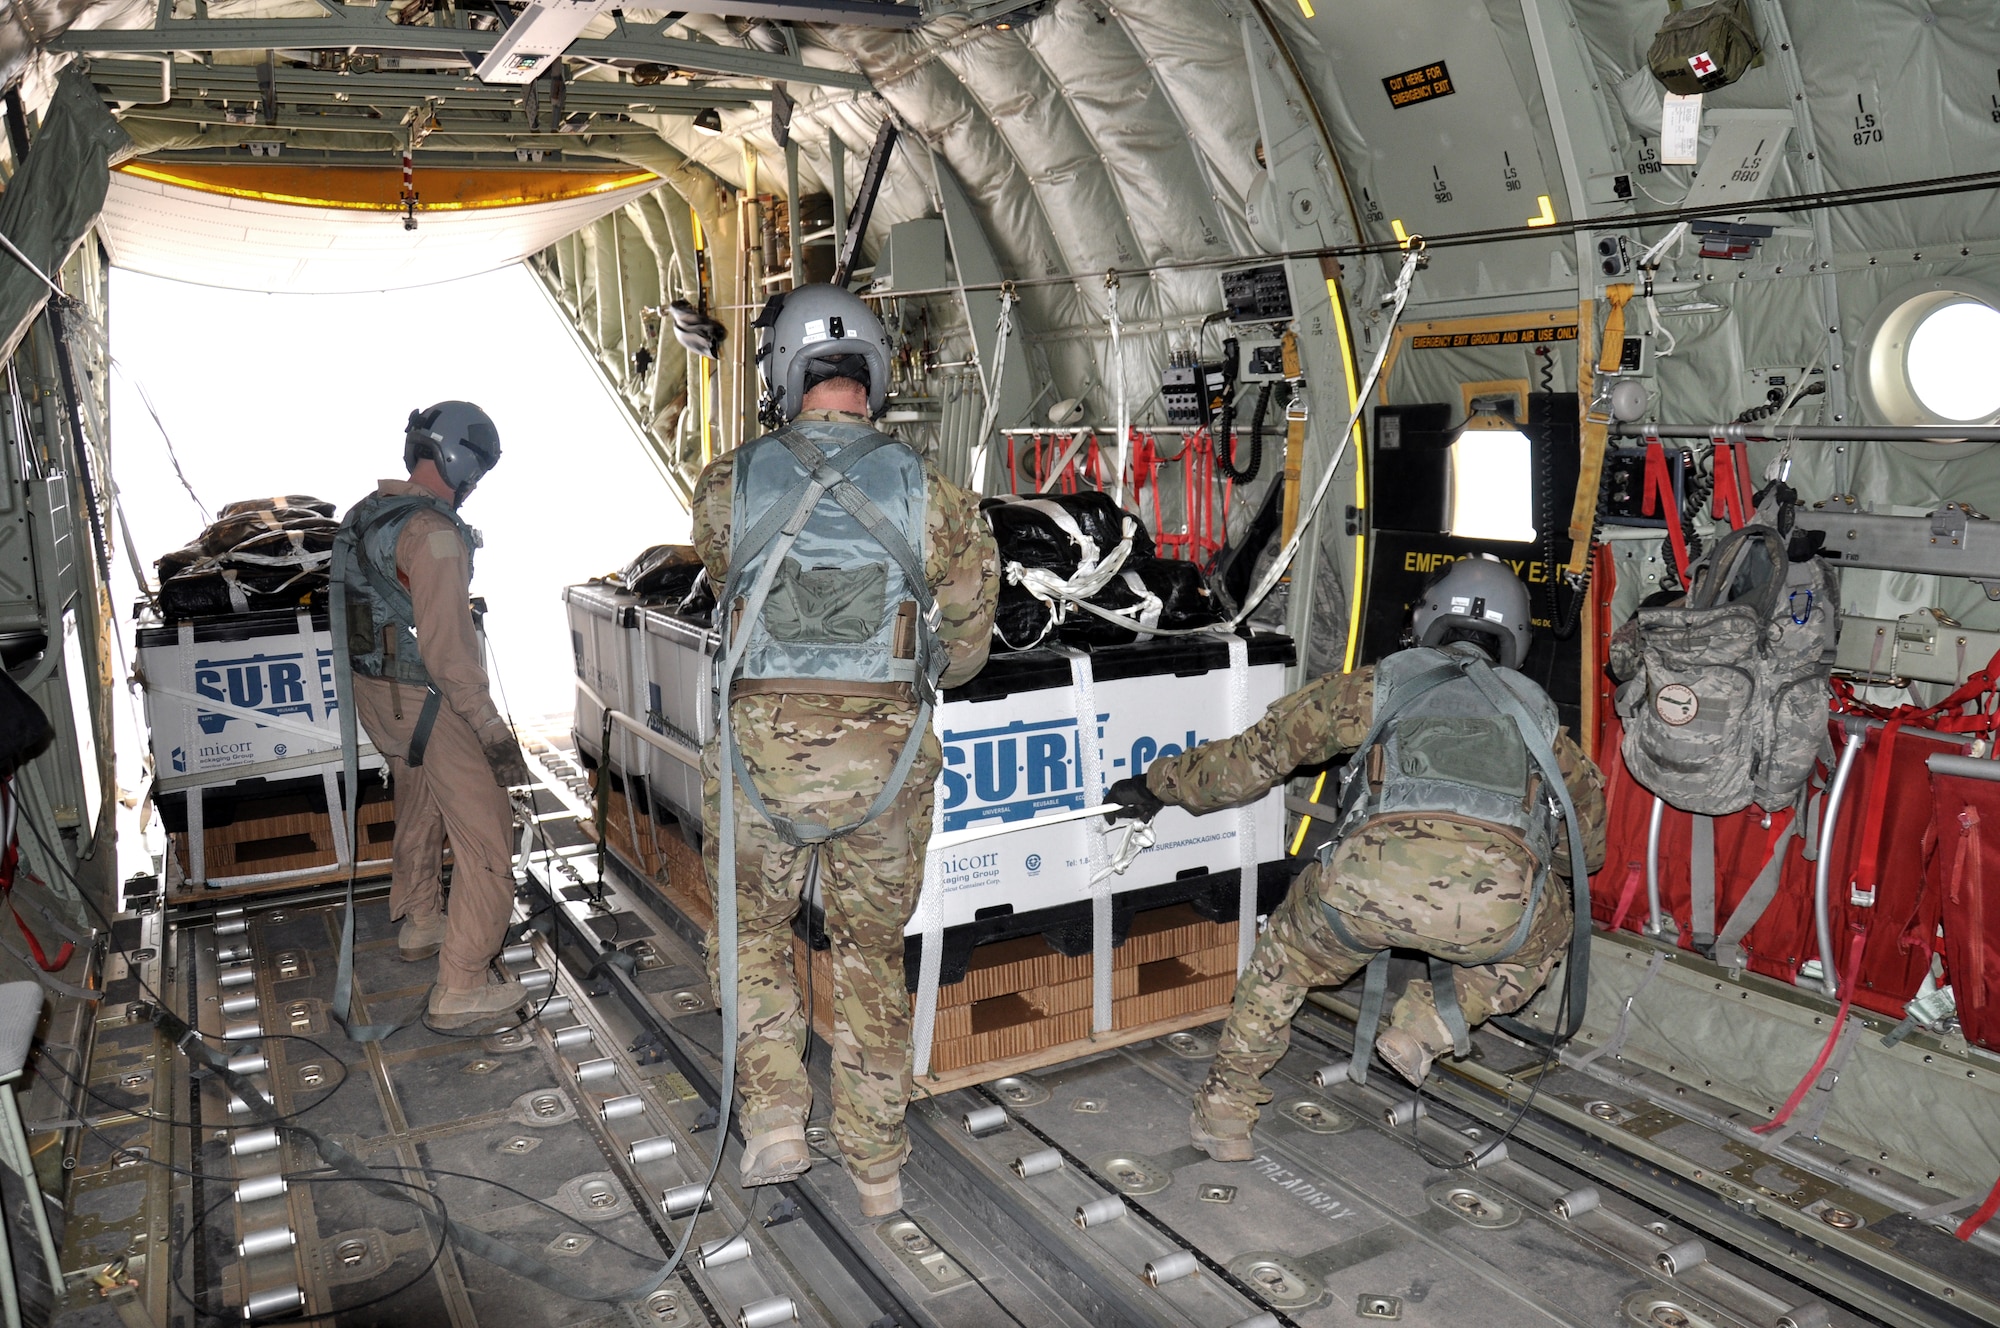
x,y
1490,492
708,121
1306,6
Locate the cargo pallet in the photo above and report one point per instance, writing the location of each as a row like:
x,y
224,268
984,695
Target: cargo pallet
x,y
254,837
1016,991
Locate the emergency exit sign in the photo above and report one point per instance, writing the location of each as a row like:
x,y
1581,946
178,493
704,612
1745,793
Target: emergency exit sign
x,y
1424,83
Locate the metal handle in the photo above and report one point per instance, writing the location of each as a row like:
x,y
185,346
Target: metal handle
x,y
1836,793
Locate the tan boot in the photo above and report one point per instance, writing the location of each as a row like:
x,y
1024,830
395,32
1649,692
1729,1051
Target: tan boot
x,y
1405,1053
420,937
775,1156
492,1008
880,1198
1221,1144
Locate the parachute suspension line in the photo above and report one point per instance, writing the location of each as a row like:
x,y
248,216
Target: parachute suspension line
x,y
975,478
1117,367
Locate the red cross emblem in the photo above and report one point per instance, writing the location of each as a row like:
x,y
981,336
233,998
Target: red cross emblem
x,y
1702,65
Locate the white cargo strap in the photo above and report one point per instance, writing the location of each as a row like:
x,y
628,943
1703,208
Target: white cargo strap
x,y
1090,770
1246,819
1701,883
930,964
975,479
213,706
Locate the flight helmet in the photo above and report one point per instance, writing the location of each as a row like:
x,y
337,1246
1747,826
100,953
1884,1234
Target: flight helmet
x,y
1478,599
815,333
459,437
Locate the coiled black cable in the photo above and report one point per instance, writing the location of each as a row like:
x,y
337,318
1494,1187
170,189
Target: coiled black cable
x,y
1225,458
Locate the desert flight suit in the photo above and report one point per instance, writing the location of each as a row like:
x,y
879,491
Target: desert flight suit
x,y
1444,886
824,758
453,791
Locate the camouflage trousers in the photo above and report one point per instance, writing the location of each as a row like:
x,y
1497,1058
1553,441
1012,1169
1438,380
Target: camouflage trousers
x,y
1299,950
823,759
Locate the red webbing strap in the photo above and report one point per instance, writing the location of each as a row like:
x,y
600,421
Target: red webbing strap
x,y
1628,893
10,863
1660,486
1944,717
1856,942
1966,884
1874,813
1981,1215
1728,505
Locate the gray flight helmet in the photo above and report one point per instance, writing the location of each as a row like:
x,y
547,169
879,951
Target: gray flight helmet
x,y
1478,597
815,333
459,437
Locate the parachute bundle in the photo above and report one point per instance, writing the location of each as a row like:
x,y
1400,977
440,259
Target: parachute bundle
x,y
662,572
258,554
1056,549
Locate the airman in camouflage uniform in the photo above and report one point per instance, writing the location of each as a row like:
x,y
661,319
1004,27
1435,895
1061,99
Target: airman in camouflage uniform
x,y
1443,886
824,758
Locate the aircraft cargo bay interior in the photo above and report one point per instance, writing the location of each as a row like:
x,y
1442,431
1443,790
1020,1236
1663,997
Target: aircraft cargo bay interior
x,y
935,663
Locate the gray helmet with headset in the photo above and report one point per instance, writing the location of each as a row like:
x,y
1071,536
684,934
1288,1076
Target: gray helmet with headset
x,y
459,437
815,333
1478,598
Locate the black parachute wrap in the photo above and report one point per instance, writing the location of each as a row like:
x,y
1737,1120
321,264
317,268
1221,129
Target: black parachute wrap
x,y
257,555
664,572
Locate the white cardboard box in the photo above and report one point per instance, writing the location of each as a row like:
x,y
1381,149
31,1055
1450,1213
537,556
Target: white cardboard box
x,y
208,681
1012,745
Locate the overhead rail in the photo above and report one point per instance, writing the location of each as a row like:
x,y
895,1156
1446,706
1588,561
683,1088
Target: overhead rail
x,y
1817,433
865,13
133,78
631,44
1860,196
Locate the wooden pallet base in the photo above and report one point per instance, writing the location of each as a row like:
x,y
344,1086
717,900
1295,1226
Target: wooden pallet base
x,y
1021,1005
944,1081
180,889
659,854
283,838
1021,1002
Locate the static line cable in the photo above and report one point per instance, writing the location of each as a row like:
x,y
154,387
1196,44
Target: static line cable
x,y
80,319
29,264
1818,201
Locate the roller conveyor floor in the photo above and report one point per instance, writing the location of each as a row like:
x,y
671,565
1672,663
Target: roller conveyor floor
x,y
1343,1217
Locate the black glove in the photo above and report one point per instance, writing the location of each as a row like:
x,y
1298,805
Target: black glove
x,y
1137,800
503,757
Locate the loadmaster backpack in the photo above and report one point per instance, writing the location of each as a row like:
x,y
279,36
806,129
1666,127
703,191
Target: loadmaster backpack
x,y
1456,738
1725,692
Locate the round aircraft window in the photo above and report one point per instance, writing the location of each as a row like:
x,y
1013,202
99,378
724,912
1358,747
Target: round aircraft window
x,y
1951,359
1931,352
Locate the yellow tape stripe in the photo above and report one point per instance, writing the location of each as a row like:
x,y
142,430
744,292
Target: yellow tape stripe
x,y
349,205
1351,369
1299,839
